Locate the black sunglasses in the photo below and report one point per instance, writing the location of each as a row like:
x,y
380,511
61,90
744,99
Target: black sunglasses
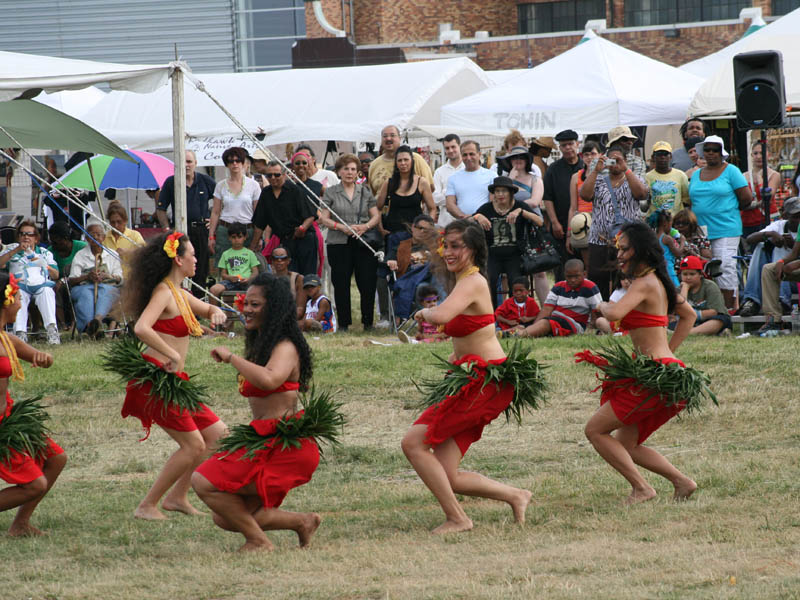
x,y
233,160
712,149
273,175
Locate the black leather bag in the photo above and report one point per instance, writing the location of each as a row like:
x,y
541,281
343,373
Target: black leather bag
x,y
539,253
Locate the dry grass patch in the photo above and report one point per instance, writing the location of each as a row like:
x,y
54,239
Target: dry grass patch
x,y
579,542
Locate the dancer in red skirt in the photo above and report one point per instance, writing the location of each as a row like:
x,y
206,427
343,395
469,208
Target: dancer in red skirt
x,y
165,320
246,482
633,408
31,474
438,440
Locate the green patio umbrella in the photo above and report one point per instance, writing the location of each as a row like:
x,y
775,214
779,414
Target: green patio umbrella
x,y
34,125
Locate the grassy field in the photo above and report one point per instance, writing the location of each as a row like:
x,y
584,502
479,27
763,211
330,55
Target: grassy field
x,y
738,537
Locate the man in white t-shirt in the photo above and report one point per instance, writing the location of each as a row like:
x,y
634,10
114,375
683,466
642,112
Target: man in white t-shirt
x,y
452,151
467,190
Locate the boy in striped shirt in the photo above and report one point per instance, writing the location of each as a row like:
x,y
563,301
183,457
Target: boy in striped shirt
x,y
568,306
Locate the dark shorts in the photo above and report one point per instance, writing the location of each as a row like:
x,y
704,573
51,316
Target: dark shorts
x,y
233,286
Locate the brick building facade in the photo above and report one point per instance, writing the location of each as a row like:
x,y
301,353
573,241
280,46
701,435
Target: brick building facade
x,y
413,26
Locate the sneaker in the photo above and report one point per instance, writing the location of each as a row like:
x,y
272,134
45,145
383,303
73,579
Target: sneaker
x,y
404,337
21,335
382,324
92,327
768,326
52,334
749,308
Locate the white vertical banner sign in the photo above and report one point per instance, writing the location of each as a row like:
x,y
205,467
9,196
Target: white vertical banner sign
x,y
179,151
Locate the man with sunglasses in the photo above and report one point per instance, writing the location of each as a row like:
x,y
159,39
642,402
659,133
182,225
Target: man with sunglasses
x,y
199,191
283,211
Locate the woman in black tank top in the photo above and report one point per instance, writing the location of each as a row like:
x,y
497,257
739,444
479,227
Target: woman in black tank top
x,y
404,205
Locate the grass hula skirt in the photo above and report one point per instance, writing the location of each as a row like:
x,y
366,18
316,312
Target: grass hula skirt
x,y
23,430
124,359
320,418
673,383
519,370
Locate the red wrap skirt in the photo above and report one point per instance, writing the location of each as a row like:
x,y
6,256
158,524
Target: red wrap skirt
x,y
464,415
274,470
150,409
21,467
630,402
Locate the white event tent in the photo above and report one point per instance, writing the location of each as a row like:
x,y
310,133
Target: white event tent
x,y
716,97
709,66
345,103
592,87
20,73
73,102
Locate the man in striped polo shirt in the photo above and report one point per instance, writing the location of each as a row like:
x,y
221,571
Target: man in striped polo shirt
x,y
568,306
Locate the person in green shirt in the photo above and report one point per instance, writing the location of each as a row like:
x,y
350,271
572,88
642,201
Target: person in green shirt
x,y
64,249
705,297
238,265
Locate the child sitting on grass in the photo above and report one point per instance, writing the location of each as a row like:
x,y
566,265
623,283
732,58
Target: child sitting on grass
x,y
520,309
568,307
705,298
319,314
238,266
427,297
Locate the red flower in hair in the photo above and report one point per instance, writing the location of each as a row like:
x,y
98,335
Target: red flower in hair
x,y
238,302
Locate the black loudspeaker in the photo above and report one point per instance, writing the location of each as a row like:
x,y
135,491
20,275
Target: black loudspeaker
x,y
760,94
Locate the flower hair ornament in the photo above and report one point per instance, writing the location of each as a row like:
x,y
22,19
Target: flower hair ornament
x,y
440,247
10,291
616,240
171,245
239,302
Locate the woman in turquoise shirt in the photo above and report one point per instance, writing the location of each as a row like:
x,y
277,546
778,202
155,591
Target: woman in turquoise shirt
x,y
718,192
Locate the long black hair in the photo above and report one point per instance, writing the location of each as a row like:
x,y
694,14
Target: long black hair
x,y
648,253
149,266
394,180
279,323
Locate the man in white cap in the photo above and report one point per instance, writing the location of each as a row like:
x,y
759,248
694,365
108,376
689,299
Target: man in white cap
x,y
624,137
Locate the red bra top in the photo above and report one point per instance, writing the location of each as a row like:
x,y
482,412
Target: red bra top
x,y
5,366
636,319
248,390
463,325
175,326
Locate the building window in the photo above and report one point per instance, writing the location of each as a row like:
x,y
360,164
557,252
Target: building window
x,y
265,32
569,15
782,7
665,12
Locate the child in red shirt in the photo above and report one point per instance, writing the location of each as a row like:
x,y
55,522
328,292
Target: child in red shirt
x,y
519,310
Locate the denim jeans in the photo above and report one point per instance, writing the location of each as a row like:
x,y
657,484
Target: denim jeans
x,y
752,288
83,299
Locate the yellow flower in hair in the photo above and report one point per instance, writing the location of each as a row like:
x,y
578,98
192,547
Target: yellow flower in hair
x,y
616,240
10,291
440,249
171,245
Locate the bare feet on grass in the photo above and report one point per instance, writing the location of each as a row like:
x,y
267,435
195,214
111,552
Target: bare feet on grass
x,y
310,524
520,504
640,495
257,547
148,512
453,527
26,530
684,489
181,507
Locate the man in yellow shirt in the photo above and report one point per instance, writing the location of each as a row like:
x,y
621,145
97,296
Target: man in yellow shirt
x,y
669,188
382,167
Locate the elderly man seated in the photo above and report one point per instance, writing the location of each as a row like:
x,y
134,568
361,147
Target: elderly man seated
x,y
772,243
94,279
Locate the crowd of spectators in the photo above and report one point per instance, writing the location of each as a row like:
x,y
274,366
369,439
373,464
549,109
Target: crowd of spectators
x,y
376,216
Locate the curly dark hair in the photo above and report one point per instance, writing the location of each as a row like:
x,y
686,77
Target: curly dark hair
x,y
149,266
279,323
234,151
473,238
648,253
394,180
